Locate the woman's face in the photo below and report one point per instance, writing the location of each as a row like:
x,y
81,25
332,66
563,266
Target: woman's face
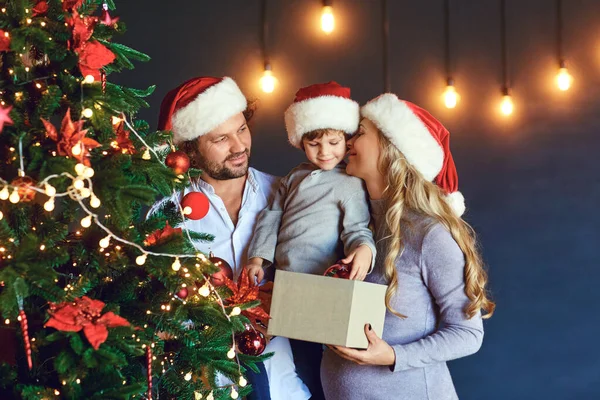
x,y
363,151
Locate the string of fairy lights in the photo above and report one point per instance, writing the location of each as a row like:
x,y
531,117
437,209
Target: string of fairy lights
x,y
450,95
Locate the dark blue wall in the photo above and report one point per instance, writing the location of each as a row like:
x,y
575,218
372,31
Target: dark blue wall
x,y
531,182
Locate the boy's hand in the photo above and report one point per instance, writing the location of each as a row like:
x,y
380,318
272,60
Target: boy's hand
x,y
255,270
360,258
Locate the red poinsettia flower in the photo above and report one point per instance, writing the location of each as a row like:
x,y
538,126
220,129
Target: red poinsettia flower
x,y
4,41
84,314
71,4
92,57
72,138
123,143
40,8
161,235
82,27
244,292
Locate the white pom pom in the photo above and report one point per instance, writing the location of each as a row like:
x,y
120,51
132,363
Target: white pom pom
x,y
457,202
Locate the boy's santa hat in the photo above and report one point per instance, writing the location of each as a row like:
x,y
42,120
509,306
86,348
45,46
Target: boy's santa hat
x,y
321,106
199,105
421,138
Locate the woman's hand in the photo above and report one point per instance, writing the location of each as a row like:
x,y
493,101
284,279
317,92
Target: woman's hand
x,y
379,351
360,259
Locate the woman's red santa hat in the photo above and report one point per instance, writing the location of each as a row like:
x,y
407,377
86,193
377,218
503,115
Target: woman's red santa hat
x,y
199,105
421,138
321,106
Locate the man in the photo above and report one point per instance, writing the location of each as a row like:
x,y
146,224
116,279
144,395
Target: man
x,y
209,120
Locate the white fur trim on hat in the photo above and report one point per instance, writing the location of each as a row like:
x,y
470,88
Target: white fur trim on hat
x,y
323,112
407,132
457,202
208,110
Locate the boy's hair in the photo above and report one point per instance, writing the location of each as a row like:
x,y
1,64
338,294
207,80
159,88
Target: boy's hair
x,y
319,133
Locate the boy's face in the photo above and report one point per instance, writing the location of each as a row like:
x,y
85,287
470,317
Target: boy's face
x,y
327,151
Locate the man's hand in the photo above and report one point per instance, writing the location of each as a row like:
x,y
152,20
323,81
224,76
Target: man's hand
x,y
360,258
255,270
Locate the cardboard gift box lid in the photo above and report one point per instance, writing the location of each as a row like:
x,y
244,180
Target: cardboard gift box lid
x,y
326,310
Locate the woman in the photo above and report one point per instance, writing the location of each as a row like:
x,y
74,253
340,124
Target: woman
x,y
426,254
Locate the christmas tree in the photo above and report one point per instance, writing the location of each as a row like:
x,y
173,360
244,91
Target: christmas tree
x,y
99,300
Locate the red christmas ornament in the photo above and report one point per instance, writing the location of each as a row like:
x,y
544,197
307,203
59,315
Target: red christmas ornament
x,y
25,332
5,117
225,272
24,185
339,270
105,17
178,161
251,342
183,293
149,371
195,205
4,40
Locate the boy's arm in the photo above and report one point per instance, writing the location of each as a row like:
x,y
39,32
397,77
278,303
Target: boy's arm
x,y
355,225
264,240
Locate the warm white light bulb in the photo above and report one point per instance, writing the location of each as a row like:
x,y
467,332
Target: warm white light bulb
x,y
267,82
236,311
234,393
105,242
140,260
204,291
78,183
87,112
89,79
187,210
80,168
4,193
88,172
76,150
49,205
1,215
14,196
450,96
94,201
507,106
87,221
49,190
327,20
188,376
176,264
85,192
564,79
231,353
243,381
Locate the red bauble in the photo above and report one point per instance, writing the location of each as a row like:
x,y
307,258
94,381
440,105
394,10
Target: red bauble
x,y
195,205
251,342
339,270
178,161
225,271
183,293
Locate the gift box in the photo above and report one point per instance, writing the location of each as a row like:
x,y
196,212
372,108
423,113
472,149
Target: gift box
x,y
326,310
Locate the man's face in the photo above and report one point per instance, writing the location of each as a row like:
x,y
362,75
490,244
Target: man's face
x,y
224,152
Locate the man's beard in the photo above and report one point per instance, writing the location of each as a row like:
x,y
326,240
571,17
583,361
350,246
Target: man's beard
x,y
220,171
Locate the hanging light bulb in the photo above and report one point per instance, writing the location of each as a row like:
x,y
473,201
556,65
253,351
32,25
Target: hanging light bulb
x,y
451,96
49,190
94,201
87,221
140,260
78,183
563,78
234,393
176,264
14,196
89,79
231,353
87,112
243,381
188,376
506,106
268,81
327,19
4,193
204,291
49,205
85,192
105,242
79,168
76,150
1,215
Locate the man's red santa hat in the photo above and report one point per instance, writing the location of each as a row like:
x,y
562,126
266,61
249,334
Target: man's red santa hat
x,y
199,105
421,138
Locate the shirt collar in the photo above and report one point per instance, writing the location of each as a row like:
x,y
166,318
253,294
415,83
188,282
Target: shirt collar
x,y
202,184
